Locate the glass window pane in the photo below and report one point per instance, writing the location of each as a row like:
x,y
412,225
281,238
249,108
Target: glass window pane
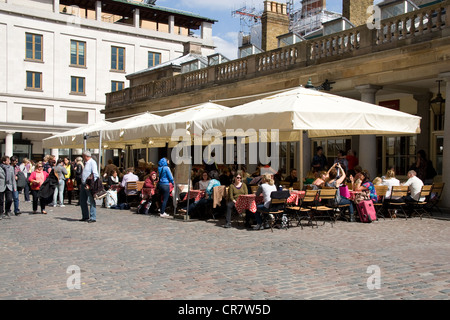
x,y
37,80
29,79
74,84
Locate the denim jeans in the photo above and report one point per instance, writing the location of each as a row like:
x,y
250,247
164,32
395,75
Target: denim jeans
x,y
260,208
165,193
85,196
16,201
59,190
345,201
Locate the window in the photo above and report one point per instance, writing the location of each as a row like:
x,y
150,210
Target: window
x,y
33,114
154,59
117,59
400,153
34,80
33,46
77,85
77,117
116,86
77,53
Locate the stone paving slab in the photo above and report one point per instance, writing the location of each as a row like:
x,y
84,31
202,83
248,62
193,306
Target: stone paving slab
x,y
127,256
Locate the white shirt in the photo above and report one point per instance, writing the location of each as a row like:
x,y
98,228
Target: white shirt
x,y
390,182
415,187
266,189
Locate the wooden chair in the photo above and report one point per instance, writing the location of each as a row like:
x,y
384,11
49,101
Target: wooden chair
x,y
296,186
393,204
379,206
304,209
420,207
277,210
435,197
326,205
133,192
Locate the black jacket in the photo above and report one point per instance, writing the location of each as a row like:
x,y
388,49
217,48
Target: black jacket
x,y
48,187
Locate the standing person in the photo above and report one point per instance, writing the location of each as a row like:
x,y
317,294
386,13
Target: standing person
x,y
25,168
15,165
60,171
90,168
69,179
236,189
319,162
7,187
36,180
342,159
424,168
79,166
165,179
352,161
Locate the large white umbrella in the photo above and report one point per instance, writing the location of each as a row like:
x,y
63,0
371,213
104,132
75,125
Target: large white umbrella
x,y
114,135
74,138
160,131
320,114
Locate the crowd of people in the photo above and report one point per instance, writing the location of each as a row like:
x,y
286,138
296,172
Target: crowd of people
x,y
52,181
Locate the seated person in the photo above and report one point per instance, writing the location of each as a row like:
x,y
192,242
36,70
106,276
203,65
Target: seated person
x,y
292,178
310,177
236,189
113,180
365,185
151,186
208,199
266,189
390,181
129,177
415,187
204,181
334,181
320,181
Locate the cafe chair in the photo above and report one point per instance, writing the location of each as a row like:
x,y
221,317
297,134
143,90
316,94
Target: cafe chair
x,y
399,205
326,206
379,206
133,193
296,186
277,210
435,197
304,209
420,207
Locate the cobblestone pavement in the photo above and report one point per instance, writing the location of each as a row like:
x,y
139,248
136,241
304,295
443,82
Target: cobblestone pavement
x,y
130,256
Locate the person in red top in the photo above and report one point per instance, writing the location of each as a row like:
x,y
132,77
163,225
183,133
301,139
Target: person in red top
x,y
352,161
36,179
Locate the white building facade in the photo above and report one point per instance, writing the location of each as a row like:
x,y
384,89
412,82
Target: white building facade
x,y
59,58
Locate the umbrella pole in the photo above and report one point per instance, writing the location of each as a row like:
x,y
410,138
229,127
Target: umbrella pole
x,y
186,217
301,169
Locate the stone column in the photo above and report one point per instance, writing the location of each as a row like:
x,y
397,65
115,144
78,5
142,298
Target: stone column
x,y
172,24
446,157
368,143
136,18
9,144
423,111
98,10
56,6
55,152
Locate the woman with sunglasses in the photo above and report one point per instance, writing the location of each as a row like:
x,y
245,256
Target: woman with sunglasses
x,y
236,189
37,178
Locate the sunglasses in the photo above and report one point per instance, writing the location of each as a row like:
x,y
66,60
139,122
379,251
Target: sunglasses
x,y
238,177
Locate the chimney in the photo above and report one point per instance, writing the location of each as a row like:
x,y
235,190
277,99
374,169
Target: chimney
x,y
356,11
192,47
275,22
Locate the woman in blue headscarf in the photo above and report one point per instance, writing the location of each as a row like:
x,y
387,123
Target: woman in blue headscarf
x,y
165,179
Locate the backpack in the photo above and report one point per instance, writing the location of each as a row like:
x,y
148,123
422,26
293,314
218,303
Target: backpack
x,y
144,207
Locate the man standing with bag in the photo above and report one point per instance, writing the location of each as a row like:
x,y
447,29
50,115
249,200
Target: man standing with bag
x,y
90,168
7,187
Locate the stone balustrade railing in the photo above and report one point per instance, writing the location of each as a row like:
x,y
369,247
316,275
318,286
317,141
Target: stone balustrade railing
x,y
419,25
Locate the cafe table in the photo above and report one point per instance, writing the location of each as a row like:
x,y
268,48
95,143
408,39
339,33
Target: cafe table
x,y
197,195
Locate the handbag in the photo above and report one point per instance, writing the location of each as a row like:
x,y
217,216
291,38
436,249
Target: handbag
x,y
69,184
362,196
344,192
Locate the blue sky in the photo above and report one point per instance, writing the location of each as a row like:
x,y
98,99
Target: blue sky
x,y
225,31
